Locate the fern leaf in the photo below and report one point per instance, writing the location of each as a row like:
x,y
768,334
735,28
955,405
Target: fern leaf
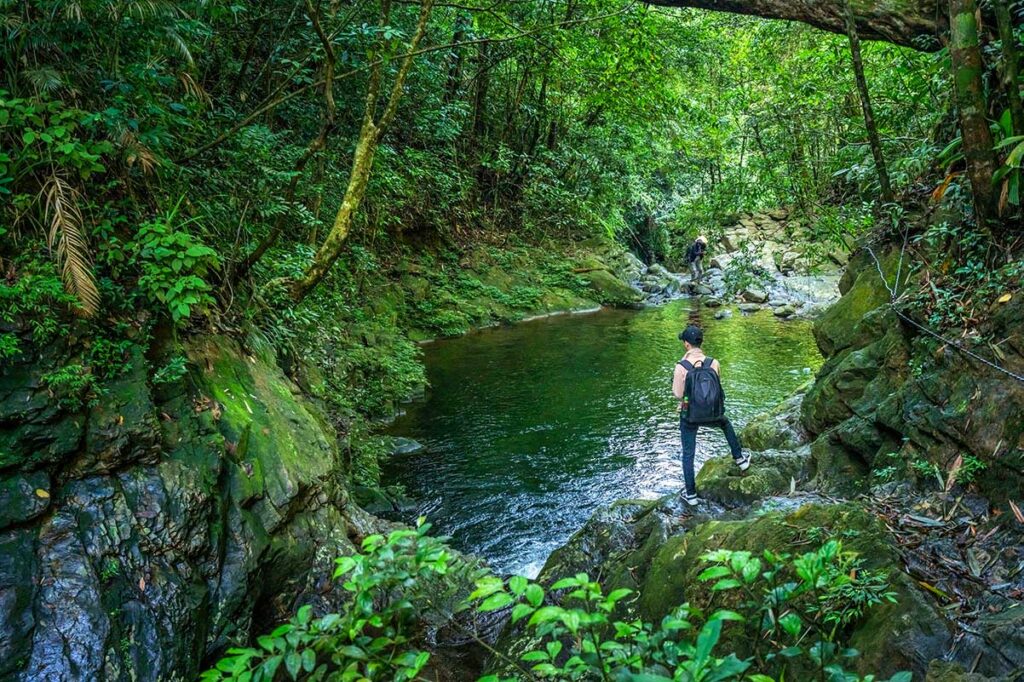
x,y
66,231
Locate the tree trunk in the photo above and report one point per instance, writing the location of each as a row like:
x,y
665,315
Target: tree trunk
x,y
370,134
911,23
455,63
968,71
1010,71
865,104
327,254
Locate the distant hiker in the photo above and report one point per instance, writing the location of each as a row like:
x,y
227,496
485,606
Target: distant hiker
x,y
697,385
695,256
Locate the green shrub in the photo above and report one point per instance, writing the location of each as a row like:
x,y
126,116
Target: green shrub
x,y
792,607
395,584
172,371
174,264
970,467
743,272
72,386
37,299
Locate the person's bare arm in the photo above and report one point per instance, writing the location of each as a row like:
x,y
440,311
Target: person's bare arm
x,y
679,381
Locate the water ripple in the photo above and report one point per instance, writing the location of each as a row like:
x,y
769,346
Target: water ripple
x,y
529,428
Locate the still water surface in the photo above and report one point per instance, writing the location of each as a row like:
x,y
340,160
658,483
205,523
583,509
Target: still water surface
x,y
529,428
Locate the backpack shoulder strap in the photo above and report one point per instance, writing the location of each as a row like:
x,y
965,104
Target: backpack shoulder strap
x,y
707,363
687,365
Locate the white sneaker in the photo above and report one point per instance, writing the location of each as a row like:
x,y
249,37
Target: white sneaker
x,y
743,462
690,499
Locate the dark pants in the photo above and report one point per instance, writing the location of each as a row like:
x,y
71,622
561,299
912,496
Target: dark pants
x,y
688,432
696,271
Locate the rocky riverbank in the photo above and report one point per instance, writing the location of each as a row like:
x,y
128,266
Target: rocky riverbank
x,y
771,261
146,531
151,517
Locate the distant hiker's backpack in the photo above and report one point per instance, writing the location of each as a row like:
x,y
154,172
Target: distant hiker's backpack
x,y
704,392
696,251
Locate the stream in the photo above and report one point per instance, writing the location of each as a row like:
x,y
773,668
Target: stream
x,y
529,428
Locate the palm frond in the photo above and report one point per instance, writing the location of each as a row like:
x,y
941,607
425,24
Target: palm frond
x,y
178,43
140,10
136,152
44,79
193,88
66,230
73,10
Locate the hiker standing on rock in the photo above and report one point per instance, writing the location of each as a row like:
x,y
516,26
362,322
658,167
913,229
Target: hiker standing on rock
x,y
695,256
697,385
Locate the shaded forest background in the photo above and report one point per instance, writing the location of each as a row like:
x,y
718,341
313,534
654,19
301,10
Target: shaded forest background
x,y
259,167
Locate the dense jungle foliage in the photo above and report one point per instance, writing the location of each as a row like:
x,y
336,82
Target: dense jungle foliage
x,y
169,166
273,168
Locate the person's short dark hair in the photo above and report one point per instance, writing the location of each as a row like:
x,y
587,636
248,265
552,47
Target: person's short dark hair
x,y
692,335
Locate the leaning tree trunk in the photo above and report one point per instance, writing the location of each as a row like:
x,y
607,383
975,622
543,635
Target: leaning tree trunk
x,y
370,133
874,140
911,23
1010,72
968,71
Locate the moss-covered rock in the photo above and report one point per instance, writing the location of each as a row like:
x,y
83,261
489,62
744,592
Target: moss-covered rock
x,y
884,384
901,637
36,432
770,473
611,290
780,428
842,325
836,470
180,518
23,497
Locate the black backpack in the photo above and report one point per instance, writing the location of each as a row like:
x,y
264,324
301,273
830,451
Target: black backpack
x,y
696,251
704,392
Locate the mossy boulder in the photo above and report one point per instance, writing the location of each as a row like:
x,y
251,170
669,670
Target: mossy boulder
x,y
892,637
780,428
610,290
836,470
856,381
842,325
616,542
770,473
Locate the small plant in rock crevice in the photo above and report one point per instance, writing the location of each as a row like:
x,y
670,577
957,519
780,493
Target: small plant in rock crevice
x,y
173,370
73,387
926,470
971,466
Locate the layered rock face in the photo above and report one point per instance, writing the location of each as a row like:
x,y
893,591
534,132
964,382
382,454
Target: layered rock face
x,y
144,533
888,391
